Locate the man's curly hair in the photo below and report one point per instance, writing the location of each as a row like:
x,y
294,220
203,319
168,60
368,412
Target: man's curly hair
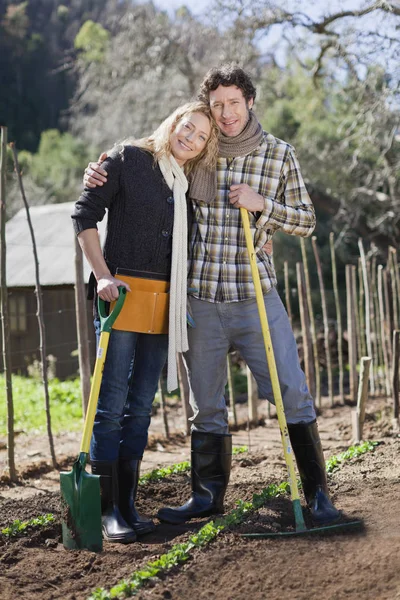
x,y
226,75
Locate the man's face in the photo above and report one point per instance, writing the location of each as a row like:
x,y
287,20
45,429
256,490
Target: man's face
x,y
230,109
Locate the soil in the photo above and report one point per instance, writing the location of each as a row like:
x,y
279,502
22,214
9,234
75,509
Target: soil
x,y
352,565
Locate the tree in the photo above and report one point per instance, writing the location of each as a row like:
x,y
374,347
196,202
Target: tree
x,y
154,63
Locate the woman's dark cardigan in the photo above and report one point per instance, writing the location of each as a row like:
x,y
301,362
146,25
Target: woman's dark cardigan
x,y
141,212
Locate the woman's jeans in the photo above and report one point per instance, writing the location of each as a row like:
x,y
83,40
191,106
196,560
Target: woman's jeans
x,y
130,380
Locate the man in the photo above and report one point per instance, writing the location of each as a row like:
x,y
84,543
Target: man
x,y
260,173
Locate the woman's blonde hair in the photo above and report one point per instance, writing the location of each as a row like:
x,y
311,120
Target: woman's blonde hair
x,y
158,143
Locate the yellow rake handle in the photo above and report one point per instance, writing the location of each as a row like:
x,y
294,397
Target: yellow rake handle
x,y
287,449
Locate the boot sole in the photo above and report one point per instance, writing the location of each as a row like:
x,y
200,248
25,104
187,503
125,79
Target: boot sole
x,y
120,540
321,523
143,530
179,520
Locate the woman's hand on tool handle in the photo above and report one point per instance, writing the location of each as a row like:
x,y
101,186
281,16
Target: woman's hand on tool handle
x,y
107,285
94,175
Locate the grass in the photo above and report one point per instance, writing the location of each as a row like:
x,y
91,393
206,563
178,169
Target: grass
x,y
29,411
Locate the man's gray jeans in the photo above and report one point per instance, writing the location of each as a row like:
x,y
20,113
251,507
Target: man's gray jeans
x,y
221,326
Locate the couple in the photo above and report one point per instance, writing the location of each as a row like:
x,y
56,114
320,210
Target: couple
x,y
143,184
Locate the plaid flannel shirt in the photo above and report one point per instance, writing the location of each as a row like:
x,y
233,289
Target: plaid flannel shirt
x,y
219,268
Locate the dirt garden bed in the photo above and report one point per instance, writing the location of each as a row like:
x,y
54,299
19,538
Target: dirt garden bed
x,y
353,566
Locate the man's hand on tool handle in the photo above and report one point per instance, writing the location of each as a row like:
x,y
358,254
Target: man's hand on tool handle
x,y
240,194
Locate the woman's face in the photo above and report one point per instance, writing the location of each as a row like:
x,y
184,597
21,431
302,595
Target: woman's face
x,y
190,137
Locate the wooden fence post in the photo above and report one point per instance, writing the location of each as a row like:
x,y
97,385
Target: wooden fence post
x,y
325,319
389,320
287,292
252,397
367,310
393,280
351,333
82,330
361,305
40,317
5,329
305,330
395,373
358,414
338,317
383,329
313,330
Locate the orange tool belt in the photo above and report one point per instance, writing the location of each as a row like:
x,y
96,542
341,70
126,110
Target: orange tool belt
x,y
146,306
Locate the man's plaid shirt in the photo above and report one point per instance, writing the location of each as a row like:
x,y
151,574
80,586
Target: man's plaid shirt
x,y
219,263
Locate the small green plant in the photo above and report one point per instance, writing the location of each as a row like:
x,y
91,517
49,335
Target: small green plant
x,y
352,452
20,527
157,474
183,467
239,450
181,552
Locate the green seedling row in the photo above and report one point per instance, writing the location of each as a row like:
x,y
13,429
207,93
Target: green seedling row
x,y
18,527
181,552
334,462
182,467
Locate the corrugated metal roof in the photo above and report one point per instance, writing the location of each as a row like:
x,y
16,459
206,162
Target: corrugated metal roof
x,y
54,237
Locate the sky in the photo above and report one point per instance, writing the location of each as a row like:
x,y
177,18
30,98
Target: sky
x,y
196,7
313,8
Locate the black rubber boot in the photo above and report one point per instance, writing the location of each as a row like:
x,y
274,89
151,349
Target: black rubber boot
x,y
129,472
307,449
211,467
115,528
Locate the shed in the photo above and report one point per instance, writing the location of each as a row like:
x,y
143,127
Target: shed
x,y
56,251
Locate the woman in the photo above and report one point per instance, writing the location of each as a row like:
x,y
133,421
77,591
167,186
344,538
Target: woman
x,y
146,242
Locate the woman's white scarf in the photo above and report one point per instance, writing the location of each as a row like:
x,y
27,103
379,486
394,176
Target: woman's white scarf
x,y
178,339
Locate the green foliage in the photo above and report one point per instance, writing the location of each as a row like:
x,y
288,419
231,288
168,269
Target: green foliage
x,y
29,412
181,552
92,40
16,20
62,12
18,527
339,128
334,462
157,474
183,467
37,63
58,164
239,450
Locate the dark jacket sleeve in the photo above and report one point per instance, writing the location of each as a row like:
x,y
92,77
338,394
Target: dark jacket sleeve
x,y
93,202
